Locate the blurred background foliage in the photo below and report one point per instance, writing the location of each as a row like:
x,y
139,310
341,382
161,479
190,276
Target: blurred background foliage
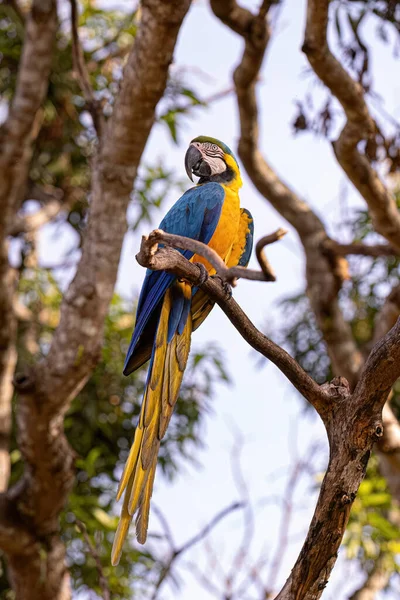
x,y
101,420
100,423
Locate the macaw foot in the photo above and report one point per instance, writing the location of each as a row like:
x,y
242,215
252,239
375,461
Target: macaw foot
x,y
203,273
226,286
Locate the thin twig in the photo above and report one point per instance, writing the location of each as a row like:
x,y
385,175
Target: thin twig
x,y
93,552
165,571
93,104
261,257
165,526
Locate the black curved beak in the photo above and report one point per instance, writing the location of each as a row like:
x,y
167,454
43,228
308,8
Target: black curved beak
x,y
193,158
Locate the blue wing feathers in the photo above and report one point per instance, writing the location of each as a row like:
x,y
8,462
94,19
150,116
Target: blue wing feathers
x,y
194,215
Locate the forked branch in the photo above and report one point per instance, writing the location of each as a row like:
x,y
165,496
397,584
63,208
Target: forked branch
x,y
356,418
168,259
227,274
359,126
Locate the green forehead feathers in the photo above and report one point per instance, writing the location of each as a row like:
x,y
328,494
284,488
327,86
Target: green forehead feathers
x,y
224,147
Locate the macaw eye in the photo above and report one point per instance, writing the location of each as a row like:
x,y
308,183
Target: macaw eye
x,y
214,147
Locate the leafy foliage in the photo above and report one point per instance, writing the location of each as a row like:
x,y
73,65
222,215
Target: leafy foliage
x,y
100,428
373,529
100,423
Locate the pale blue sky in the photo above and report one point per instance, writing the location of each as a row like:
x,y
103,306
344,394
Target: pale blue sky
x,y
260,403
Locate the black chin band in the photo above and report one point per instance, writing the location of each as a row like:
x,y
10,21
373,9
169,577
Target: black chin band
x,y
225,177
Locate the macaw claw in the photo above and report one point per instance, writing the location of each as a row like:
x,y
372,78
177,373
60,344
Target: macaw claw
x,y
226,286
203,273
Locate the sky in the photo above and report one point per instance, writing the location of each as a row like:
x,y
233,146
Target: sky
x,y
260,403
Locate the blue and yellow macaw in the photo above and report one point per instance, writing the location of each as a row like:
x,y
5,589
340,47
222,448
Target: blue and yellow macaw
x,y
170,309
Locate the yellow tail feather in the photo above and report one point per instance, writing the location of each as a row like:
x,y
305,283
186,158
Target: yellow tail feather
x,y
159,400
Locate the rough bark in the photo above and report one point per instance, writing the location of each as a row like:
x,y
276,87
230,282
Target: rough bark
x,y
353,422
389,447
325,271
46,390
16,141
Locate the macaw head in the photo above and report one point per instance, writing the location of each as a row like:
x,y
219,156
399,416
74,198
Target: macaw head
x,y
212,160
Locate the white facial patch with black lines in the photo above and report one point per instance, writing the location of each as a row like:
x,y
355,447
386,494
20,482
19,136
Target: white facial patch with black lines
x,y
215,157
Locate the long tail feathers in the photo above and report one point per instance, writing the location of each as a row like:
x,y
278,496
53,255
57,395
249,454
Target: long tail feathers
x,y
166,371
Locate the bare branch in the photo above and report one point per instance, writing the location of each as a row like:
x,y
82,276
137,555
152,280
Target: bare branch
x,y
260,254
176,553
324,273
389,446
359,248
172,261
227,274
360,125
32,222
22,124
94,106
388,314
380,372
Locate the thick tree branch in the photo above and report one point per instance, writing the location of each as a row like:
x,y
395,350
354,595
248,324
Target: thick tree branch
x,y
355,418
21,126
16,136
46,389
360,125
380,371
389,446
325,273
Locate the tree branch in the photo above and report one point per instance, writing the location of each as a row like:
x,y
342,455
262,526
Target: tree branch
x,y
325,273
46,389
177,552
32,222
94,106
355,418
359,248
360,125
389,446
16,136
227,274
21,126
168,259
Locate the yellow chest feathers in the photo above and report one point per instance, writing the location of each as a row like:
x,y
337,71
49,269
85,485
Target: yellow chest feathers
x,y
227,229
